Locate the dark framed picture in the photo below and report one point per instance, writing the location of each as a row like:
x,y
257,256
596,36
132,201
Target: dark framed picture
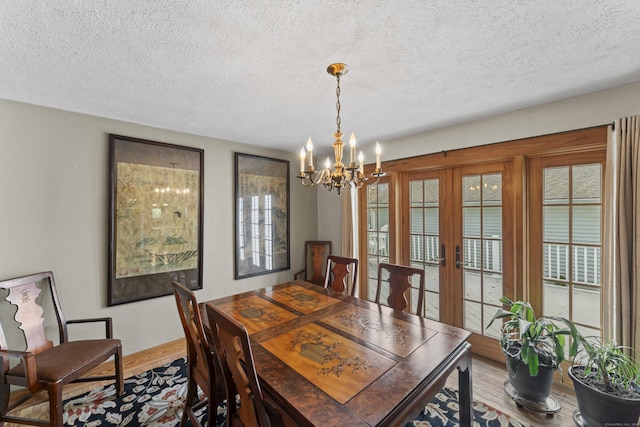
x,y
261,215
155,218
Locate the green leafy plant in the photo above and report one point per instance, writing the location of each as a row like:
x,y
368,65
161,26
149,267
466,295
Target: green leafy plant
x,y
535,340
608,367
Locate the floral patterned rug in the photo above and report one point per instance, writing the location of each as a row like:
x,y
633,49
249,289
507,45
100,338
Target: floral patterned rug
x,y
155,398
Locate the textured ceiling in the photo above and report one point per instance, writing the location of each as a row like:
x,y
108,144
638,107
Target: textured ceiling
x,y
255,71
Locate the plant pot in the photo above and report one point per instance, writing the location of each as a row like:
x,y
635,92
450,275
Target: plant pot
x,y
535,389
599,409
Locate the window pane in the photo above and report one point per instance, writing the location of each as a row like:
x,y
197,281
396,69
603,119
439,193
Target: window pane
x,y
556,299
471,222
472,286
373,267
431,220
555,261
383,194
472,320
373,243
492,288
492,222
471,190
587,183
415,193
586,306
556,223
372,286
586,264
494,330
586,224
416,247
431,192
417,220
556,185
471,253
383,217
372,195
433,305
431,278
372,219
492,255
492,189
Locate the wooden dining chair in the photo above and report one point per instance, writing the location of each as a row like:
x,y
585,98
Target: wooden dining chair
x,y
400,280
203,368
316,253
38,363
232,342
341,274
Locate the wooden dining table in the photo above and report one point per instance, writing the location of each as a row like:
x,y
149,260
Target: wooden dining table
x,y
326,359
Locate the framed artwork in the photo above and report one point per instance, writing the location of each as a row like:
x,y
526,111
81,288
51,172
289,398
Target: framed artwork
x,y
155,218
261,215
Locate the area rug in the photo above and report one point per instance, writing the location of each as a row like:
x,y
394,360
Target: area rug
x,y
156,397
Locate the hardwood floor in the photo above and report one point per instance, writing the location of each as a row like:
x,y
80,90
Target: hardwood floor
x,y
488,378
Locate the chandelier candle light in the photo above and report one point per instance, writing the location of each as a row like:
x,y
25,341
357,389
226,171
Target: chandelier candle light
x,y
341,176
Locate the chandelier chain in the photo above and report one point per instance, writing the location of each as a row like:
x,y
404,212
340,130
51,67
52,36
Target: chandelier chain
x,y
338,120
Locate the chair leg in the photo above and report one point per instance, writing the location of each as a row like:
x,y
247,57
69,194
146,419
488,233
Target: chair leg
x,y
119,372
212,412
192,395
55,404
5,394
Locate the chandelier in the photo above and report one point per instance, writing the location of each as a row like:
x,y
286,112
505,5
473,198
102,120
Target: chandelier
x,y
341,176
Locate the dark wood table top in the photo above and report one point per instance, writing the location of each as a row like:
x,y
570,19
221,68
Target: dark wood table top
x,y
333,360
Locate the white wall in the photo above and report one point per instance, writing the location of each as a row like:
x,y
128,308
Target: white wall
x,y
53,215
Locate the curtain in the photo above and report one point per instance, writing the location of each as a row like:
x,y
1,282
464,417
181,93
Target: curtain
x,y
348,244
621,234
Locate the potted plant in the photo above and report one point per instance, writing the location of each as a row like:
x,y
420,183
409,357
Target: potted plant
x,y
605,380
534,348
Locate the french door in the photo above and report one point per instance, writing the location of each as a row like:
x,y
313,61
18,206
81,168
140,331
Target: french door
x,y
455,226
521,219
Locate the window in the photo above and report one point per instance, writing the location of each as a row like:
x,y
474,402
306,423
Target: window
x,y
570,244
378,233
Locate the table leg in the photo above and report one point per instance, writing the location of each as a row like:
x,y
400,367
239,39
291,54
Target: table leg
x,y
465,396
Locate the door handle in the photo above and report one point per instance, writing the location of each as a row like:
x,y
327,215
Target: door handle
x,y
441,259
458,262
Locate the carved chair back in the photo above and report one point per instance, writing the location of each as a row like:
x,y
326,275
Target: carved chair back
x,y
33,359
398,281
341,274
316,253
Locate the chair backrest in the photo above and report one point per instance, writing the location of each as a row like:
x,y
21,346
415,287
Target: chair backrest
x,y
341,274
199,351
400,280
232,341
24,294
316,253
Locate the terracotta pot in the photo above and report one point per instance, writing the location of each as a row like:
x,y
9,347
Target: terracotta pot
x,y
599,409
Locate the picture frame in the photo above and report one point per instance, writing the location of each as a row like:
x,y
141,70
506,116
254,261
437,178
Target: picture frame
x,y
156,211
261,196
